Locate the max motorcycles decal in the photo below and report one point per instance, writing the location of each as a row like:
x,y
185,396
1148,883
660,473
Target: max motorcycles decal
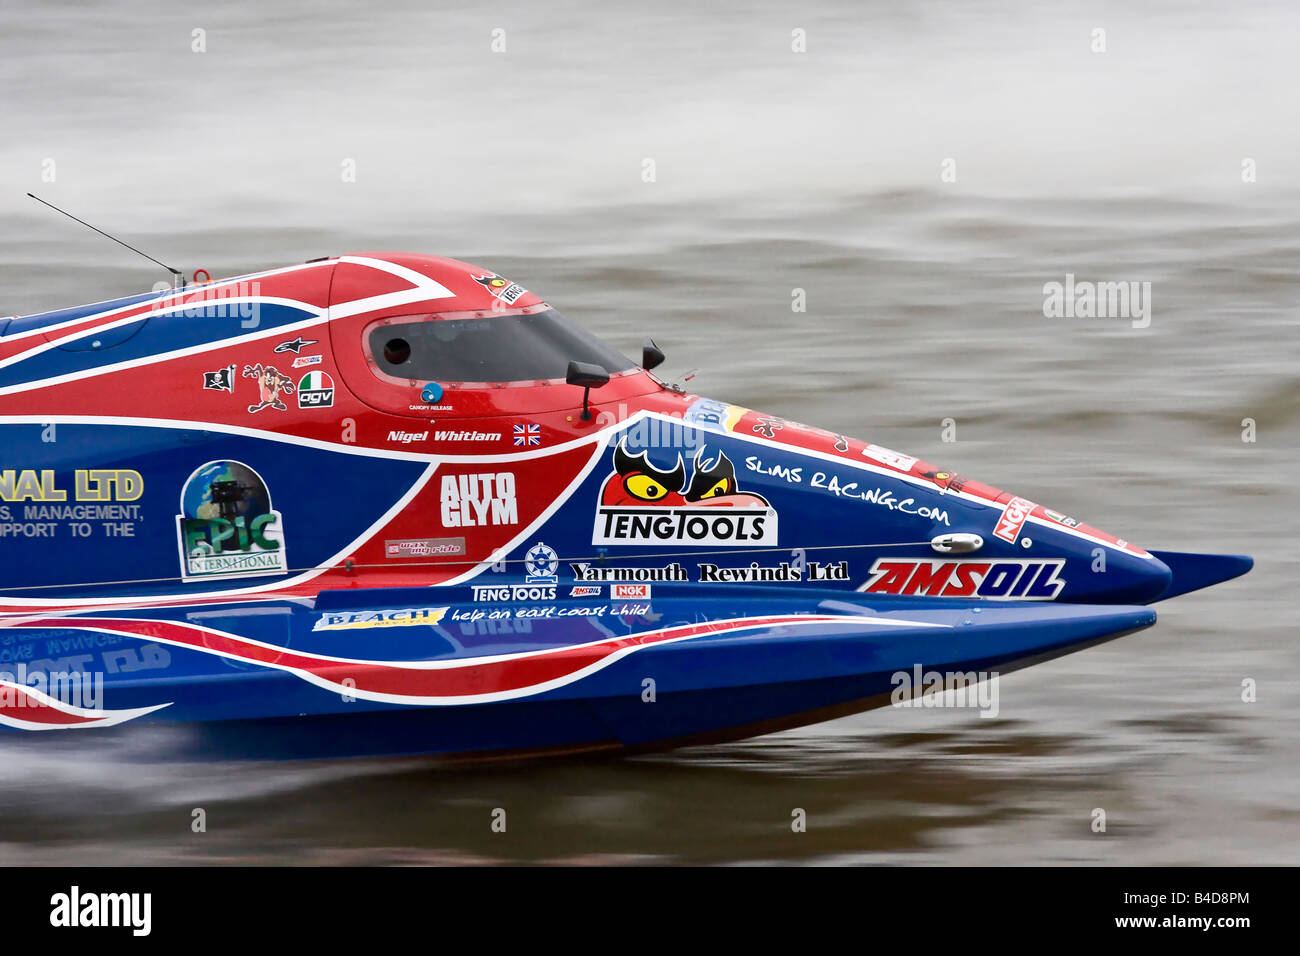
x,y
407,617
1010,580
316,390
227,527
1013,519
642,505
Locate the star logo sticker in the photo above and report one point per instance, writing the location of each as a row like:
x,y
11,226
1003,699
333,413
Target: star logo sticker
x,y
296,345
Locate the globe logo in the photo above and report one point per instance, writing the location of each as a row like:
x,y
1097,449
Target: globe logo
x,y
227,527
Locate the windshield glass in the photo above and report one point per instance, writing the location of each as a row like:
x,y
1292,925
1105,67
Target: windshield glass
x,y
489,348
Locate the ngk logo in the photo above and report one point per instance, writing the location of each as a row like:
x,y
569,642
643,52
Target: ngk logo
x,y
630,592
1013,519
472,500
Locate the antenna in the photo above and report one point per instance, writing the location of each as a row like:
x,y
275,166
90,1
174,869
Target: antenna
x,y
179,277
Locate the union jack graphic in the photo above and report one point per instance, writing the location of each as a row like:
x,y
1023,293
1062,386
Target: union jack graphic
x,y
528,434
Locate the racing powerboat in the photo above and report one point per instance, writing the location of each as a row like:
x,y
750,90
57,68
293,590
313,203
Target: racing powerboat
x,y
391,503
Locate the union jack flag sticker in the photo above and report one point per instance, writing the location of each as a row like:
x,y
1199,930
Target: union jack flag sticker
x,y
528,434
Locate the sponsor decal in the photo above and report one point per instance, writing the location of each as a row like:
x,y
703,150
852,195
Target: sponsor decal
x,y
841,443
891,458
629,592
735,527
303,361
424,547
768,427
601,572
831,484
785,571
356,620
946,480
528,435
644,505
585,590
713,414
89,484
535,612
222,380
541,563
470,501
295,346
540,580
514,592
1061,519
466,436
316,390
1013,519
503,289
407,437
270,383
1009,580
227,527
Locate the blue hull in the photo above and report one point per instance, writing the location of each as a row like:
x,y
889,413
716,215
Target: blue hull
x,y
381,672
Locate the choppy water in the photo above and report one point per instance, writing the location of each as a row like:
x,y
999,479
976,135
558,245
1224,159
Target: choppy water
x,y
774,171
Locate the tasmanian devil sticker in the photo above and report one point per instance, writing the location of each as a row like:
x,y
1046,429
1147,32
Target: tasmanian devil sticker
x,y
270,383
644,505
1010,580
227,527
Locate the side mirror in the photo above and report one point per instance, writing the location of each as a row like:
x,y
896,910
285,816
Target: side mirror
x,y
586,376
652,356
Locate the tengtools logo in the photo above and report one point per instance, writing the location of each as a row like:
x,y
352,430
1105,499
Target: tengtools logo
x,y
641,505
227,527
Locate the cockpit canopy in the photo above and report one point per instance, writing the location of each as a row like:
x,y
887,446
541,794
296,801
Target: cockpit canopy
x,y
533,345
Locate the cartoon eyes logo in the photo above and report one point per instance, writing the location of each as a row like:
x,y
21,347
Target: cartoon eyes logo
x,y
638,482
491,280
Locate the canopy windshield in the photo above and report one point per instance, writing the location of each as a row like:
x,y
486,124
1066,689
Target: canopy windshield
x,y
528,347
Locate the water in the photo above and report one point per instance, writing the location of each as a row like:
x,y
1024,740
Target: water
x,y
774,171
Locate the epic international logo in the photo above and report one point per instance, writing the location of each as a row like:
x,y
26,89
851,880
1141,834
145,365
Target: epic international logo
x,y
644,505
227,527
